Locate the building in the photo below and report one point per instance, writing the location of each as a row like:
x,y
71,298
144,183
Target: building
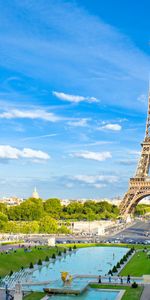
x,y
35,194
92,227
11,200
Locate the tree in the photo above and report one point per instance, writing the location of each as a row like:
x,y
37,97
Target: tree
x,y
90,215
142,209
31,265
46,258
14,213
90,205
53,207
3,217
3,208
29,227
32,209
40,262
48,225
53,256
3,220
74,207
63,229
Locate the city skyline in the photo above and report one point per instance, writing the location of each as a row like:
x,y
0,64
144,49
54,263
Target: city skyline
x,y
74,95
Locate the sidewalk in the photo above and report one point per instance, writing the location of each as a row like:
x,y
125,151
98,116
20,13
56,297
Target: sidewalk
x,y
146,293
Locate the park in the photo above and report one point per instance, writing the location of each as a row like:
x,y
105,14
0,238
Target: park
x,y
38,271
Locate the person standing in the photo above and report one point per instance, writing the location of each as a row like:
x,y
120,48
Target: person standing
x,y
128,279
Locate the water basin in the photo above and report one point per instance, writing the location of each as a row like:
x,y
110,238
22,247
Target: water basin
x,y
90,294
85,261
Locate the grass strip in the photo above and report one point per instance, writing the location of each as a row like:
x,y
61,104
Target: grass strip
x,y
34,296
83,245
138,265
130,293
15,260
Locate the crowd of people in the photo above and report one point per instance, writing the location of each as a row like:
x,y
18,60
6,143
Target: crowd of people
x,y
118,280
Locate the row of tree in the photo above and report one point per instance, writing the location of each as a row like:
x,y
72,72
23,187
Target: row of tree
x,y
45,225
142,209
35,209
36,215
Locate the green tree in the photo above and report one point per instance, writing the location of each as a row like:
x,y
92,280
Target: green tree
x,y
53,207
3,220
3,208
90,205
74,207
29,227
14,213
63,229
48,225
29,210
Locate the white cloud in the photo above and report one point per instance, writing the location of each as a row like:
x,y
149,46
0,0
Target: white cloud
x,y
97,143
142,98
128,162
134,152
97,181
114,127
30,114
79,123
74,98
99,185
39,136
8,152
99,156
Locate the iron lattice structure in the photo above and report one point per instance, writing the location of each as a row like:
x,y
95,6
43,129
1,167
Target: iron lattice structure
x,y
139,185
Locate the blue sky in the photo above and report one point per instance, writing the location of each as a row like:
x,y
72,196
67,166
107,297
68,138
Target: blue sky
x,y
74,84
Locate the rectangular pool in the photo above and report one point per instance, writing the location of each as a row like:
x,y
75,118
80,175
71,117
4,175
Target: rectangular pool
x,y
90,294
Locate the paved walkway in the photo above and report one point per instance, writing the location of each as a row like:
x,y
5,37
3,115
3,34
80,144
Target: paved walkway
x,y
146,293
3,294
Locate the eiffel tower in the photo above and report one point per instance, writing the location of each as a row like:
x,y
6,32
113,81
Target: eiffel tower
x,y
139,185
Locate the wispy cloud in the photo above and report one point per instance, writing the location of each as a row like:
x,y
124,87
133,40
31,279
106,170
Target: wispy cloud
x,y
59,46
39,136
87,43
30,114
74,98
134,152
79,123
98,156
97,143
8,152
112,127
142,98
97,181
128,162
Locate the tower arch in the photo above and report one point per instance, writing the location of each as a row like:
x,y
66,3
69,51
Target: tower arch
x,y
139,185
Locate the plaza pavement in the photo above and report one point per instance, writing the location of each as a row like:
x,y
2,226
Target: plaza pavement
x,y
146,293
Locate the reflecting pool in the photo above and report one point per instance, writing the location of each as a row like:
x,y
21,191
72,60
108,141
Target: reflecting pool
x,y
90,294
83,264
84,261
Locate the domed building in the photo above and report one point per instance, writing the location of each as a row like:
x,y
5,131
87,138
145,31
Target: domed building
x,y
35,194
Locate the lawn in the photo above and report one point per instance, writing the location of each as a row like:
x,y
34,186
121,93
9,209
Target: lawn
x,y
14,261
130,293
34,296
137,266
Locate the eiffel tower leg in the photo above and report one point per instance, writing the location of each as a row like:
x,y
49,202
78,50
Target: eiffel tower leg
x,y
125,207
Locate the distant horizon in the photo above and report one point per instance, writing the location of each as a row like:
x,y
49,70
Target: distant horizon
x,y
62,199
74,93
